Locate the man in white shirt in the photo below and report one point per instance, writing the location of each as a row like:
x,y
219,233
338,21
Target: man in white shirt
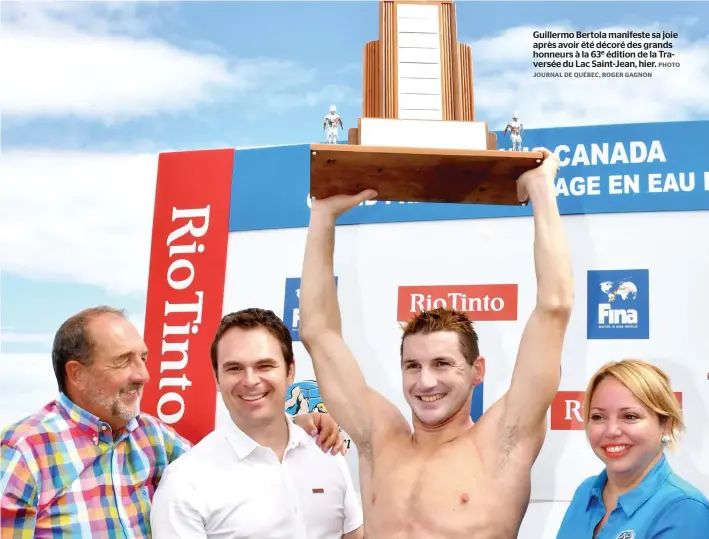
x,y
259,475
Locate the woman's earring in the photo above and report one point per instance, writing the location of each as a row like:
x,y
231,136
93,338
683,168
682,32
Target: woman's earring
x,y
665,439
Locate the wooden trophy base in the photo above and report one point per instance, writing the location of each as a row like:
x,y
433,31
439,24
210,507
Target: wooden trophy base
x,y
419,174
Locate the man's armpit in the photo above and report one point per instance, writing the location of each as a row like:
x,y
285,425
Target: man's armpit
x,y
364,449
509,442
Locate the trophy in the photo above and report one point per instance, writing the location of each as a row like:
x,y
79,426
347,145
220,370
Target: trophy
x,y
331,122
418,139
515,128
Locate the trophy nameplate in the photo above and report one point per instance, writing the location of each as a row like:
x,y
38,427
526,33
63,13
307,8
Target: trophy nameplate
x,y
417,139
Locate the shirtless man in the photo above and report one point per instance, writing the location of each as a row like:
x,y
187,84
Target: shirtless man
x,y
449,478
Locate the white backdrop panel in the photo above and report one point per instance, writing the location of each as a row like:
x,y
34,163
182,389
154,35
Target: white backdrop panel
x,y
372,261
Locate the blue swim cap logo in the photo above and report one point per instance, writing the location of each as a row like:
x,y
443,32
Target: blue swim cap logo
x,y
627,534
304,397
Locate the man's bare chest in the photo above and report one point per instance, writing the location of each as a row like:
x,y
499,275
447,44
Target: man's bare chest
x,y
446,494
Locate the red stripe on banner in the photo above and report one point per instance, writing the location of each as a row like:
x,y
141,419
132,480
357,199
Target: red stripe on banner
x,y
186,287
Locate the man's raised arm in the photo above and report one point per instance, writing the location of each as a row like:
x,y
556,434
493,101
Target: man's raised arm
x,y
341,382
537,372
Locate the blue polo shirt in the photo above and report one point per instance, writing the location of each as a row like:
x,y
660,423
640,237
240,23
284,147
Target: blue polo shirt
x,y
662,506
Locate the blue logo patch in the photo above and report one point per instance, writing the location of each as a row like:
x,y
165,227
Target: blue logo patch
x,y
618,304
291,306
304,398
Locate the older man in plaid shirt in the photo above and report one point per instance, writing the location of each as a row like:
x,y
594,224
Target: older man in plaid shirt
x,y
88,463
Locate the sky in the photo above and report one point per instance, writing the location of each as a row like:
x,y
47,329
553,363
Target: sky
x,y
92,92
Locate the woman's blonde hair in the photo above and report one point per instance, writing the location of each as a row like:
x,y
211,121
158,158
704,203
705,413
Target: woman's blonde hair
x,y
648,383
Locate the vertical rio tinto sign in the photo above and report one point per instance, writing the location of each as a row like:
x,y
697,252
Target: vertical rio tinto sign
x,y
186,287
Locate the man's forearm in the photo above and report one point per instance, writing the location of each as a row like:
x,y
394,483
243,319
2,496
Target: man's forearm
x,y
551,257
319,308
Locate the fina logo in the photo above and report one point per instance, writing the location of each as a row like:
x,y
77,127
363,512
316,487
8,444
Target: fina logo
x,y
618,304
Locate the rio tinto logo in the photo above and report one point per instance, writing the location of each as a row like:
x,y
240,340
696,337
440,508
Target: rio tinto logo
x,y
481,302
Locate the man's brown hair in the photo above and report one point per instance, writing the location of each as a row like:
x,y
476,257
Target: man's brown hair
x,y
254,318
441,319
73,341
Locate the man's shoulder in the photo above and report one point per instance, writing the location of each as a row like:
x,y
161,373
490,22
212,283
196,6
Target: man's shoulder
x,y
323,460
198,458
150,422
195,470
307,442
35,429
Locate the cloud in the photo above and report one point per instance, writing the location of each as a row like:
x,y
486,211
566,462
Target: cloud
x,y
340,94
503,83
99,61
78,216
120,16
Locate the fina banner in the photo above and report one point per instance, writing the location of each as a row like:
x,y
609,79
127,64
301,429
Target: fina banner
x,y
229,233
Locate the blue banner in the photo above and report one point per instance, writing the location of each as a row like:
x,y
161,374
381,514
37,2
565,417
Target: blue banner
x,y
604,169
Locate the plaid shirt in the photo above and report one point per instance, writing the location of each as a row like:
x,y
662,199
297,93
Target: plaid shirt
x,y
64,474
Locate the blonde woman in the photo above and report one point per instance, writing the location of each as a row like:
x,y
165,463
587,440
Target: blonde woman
x,y
631,415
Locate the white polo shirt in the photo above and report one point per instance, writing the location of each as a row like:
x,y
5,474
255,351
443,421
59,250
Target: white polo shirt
x,y
228,486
